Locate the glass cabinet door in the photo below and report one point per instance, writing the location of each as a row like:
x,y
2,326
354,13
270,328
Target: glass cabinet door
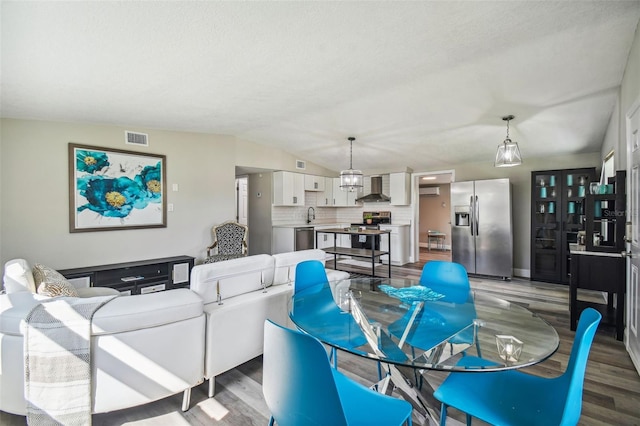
x,y
558,214
546,205
606,216
576,188
546,199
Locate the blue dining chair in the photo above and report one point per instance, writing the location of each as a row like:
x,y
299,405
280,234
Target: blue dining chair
x,y
443,273
309,273
301,388
514,398
451,280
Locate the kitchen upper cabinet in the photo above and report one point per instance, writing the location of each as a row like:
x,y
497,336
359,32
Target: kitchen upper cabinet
x,y
313,183
400,189
344,198
288,189
325,198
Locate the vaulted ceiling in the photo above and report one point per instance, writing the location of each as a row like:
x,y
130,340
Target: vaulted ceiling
x,y
419,84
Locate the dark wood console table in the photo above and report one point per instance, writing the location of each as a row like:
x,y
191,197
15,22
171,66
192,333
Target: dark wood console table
x,y
601,272
368,253
139,277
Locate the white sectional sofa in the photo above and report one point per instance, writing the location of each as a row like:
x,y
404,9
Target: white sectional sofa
x,y
238,296
147,347
131,363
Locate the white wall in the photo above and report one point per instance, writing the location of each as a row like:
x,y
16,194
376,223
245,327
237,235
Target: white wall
x,y
34,192
629,93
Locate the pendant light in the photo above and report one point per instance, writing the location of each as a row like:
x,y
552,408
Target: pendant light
x,y
350,180
508,154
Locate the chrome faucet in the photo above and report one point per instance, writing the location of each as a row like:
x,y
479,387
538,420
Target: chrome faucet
x,y
311,214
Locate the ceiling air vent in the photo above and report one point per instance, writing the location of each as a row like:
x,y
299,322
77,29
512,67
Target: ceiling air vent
x,y
301,165
133,138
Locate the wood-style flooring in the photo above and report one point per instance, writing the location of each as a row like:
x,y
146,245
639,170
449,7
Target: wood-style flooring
x,y
611,388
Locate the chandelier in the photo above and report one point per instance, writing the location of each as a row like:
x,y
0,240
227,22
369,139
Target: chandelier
x,y
350,180
508,154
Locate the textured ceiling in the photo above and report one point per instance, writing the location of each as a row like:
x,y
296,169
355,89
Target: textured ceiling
x,y
419,84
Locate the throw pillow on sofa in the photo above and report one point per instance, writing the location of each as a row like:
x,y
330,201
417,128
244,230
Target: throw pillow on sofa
x,y
52,283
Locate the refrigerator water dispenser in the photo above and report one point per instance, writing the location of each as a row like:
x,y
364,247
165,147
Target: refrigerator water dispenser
x,y
462,216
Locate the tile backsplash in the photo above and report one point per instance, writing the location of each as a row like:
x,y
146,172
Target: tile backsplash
x,y
295,215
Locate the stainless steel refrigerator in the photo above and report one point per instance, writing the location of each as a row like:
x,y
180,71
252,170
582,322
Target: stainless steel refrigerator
x,y
481,229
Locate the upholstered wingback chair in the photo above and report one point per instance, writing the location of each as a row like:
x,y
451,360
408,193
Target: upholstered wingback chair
x,y
229,242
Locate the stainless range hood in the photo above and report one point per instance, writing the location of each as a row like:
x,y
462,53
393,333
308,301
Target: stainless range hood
x,y
376,195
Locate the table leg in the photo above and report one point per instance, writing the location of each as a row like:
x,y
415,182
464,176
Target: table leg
x,y
426,407
389,253
373,255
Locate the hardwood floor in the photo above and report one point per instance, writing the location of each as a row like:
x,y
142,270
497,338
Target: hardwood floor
x,y
611,388
433,254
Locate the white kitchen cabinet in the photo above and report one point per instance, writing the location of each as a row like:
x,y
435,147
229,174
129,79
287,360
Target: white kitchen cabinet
x,y
399,240
283,240
288,189
327,240
325,198
344,198
324,240
313,183
344,241
286,239
400,189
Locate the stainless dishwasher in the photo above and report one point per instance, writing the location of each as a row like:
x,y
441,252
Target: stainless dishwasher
x,y
304,238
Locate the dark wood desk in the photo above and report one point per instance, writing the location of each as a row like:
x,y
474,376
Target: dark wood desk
x,y
601,272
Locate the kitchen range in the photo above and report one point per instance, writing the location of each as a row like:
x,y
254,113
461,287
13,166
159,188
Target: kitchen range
x,y
370,220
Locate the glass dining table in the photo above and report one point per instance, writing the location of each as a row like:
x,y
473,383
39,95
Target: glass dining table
x,y
412,328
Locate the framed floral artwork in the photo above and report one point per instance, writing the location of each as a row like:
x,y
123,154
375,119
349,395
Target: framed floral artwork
x,y
112,189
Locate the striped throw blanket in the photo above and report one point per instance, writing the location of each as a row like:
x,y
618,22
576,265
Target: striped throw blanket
x,y
57,348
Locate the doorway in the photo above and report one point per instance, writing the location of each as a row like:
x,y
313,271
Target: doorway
x,y
432,215
632,333
242,207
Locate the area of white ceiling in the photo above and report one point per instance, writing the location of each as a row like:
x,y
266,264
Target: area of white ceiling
x,y
419,84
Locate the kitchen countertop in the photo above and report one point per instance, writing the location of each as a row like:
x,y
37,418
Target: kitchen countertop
x,y
305,225
356,232
330,224
596,253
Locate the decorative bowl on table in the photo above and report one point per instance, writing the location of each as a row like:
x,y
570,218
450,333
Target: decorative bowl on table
x,y
416,293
